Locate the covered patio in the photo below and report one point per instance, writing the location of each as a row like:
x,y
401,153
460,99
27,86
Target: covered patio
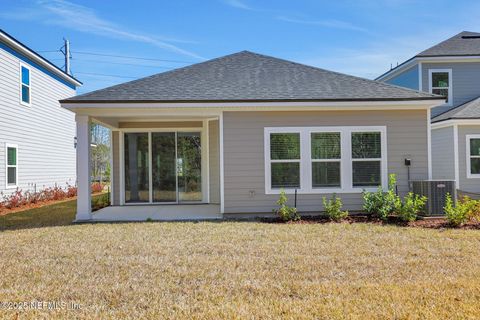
x,y
164,165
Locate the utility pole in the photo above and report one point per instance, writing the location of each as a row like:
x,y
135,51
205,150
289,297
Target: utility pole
x,y
66,52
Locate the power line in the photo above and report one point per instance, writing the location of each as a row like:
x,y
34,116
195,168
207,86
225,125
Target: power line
x,y
121,63
129,57
106,75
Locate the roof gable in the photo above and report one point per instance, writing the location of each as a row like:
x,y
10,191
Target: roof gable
x,y
248,76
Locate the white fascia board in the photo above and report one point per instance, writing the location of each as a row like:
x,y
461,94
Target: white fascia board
x,y
118,109
35,57
399,69
452,122
449,59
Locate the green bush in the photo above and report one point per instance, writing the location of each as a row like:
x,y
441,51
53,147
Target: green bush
x,y
408,209
285,212
333,208
460,213
381,204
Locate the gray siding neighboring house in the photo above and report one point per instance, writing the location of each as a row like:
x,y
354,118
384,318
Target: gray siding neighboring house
x,y
465,82
443,154
459,118
265,124
38,135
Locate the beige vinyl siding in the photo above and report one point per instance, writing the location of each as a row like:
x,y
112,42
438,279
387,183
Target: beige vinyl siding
x,y
244,152
464,81
116,167
443,154
214,166
466,184
43,131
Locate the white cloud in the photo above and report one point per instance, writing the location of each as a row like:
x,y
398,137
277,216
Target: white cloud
x,y
238,4
328,23
375,57
84,19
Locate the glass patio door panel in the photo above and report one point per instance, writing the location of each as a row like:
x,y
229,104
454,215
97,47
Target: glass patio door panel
x,y
163,167
189,166
174,167
136,167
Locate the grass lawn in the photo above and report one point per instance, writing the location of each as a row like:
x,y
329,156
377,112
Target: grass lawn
x,y
240,270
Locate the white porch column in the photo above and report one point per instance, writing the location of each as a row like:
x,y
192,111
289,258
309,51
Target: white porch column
x,y
84,211
222,171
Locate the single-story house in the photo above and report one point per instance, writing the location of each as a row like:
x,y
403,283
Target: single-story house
x,y
221,138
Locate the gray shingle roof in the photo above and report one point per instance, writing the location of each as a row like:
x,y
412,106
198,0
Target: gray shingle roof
x,y
247,76
468,110
463,44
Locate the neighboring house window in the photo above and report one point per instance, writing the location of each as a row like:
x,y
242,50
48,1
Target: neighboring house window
x,y
440,82
12,165
325,159
473,156
25,85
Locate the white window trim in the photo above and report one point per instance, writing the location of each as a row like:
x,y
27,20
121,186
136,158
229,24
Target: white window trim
x,y
29,86
306,161
450,83
468,137
11,186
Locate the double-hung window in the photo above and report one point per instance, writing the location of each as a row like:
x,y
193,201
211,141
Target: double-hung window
x,y
366,159
285,160
440,82
325,159
12,165
473,155
25,85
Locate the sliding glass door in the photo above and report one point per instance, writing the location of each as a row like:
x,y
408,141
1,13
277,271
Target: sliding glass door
x,y
171,160
163,167
189,166
136,168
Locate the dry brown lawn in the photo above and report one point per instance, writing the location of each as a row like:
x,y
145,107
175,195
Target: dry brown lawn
x,y
242,270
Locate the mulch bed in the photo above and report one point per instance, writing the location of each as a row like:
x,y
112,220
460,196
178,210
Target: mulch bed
x,y
5,211
432,223
39,204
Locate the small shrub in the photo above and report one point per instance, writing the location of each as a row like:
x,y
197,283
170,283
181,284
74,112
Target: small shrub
x,y
474,214
381,204
97,187
410,207
21,198
333,208
285,212
459,213
71,191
